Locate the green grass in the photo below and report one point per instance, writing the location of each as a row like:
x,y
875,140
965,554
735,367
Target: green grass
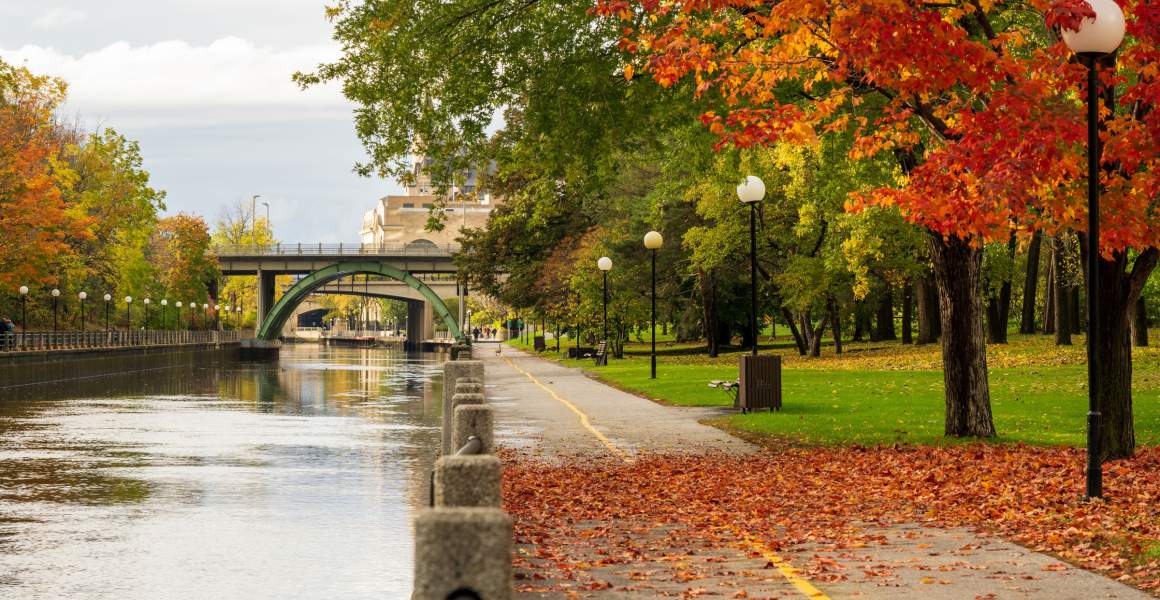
x,y
885,393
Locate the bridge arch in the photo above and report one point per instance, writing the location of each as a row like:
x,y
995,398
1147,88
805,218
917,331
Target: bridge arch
x,y
271,326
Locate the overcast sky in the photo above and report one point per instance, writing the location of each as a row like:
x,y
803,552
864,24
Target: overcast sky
x,y
205,86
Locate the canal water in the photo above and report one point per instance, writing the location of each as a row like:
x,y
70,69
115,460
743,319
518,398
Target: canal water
x,y
219,479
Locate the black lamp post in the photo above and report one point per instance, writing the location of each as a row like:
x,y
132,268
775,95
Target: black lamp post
x,y
653,241
164,323
108,310
1095,39
24,308
147,303
605,265
177,315
55,304
128,315
751,192
82,297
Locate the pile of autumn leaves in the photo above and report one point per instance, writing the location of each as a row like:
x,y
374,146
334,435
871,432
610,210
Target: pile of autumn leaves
x,y
832,497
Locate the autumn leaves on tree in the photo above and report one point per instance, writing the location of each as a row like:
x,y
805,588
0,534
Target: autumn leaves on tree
x,y
980,106
77,211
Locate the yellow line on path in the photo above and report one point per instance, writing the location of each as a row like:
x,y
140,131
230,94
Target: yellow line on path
x,y
787,570
579,413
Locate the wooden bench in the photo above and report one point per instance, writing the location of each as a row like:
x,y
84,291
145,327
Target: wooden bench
x,y
601,354
729,387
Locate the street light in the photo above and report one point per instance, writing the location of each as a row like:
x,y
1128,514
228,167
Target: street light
x,y
1096,38
653,241
164,303
751,192
177,315
82,296
216,316
254,217
55,300
147,302
128,319
23,308
605,265
108,298
227,310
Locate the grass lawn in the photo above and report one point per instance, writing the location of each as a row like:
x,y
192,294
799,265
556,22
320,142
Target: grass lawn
x,y
885,393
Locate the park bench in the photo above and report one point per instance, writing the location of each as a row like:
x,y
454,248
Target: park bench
x,y
601,354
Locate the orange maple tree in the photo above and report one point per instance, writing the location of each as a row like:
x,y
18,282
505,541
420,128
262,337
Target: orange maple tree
x,y
981,104
35,218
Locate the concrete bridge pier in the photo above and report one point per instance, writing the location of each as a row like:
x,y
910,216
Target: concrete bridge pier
x,y
420,323
266,284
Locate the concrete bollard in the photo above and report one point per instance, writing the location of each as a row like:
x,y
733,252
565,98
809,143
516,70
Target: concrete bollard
x,y
452,371
468,385
472,480
463,550
477,420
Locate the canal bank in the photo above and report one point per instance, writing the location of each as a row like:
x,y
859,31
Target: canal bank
x,y
19,369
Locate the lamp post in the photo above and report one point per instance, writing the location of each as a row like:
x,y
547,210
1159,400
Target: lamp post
x,y
254,218
128,315
164,303
177,315
653,241
82,296
147,303
605,265
237,317
751,192
55,303
217,316
108,308
23,308
1095,39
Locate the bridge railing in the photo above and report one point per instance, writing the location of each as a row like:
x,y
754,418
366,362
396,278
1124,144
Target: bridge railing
x,y
341,249
78,340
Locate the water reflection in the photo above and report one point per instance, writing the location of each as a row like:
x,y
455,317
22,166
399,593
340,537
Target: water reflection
x,y
295,479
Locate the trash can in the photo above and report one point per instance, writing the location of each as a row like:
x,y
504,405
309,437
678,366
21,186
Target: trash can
x,y
760,383
538,344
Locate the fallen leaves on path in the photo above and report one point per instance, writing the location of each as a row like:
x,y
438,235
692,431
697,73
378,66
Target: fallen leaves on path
x,y
573,515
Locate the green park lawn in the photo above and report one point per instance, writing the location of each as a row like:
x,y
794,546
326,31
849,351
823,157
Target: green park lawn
x,y
882,393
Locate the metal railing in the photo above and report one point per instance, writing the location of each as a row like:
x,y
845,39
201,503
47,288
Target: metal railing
x,y
77,340
396,249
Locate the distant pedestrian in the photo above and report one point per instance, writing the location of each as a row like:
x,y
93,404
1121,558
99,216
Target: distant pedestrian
x,y
475,334
8,332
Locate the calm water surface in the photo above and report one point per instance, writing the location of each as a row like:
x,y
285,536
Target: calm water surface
x,y
295,479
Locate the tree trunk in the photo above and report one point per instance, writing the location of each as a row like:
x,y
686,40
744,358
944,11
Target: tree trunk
x,y
709,310
815,333
859,322
1140,323
1078,320
885,316
797,335
957,270
1049,297
1119,292
1061,293
907,312
996,326
929,323
1031,285
836,322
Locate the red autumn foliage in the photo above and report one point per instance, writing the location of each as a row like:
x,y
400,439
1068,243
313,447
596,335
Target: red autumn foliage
x,y
1031,496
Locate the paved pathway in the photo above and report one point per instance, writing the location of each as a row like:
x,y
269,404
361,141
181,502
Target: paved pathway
x,y
558,412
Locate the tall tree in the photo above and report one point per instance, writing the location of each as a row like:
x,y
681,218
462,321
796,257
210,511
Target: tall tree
x,y
976,102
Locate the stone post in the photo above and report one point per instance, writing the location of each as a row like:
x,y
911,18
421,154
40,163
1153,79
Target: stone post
x,y
452,371
477,420
470,480
463,550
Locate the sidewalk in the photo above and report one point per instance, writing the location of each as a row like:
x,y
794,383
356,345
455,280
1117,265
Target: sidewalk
x,y
559,414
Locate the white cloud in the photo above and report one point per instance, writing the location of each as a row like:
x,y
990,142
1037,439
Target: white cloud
x,y
172,83
59,17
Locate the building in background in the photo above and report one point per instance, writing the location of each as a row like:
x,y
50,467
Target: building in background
x,y
403,219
